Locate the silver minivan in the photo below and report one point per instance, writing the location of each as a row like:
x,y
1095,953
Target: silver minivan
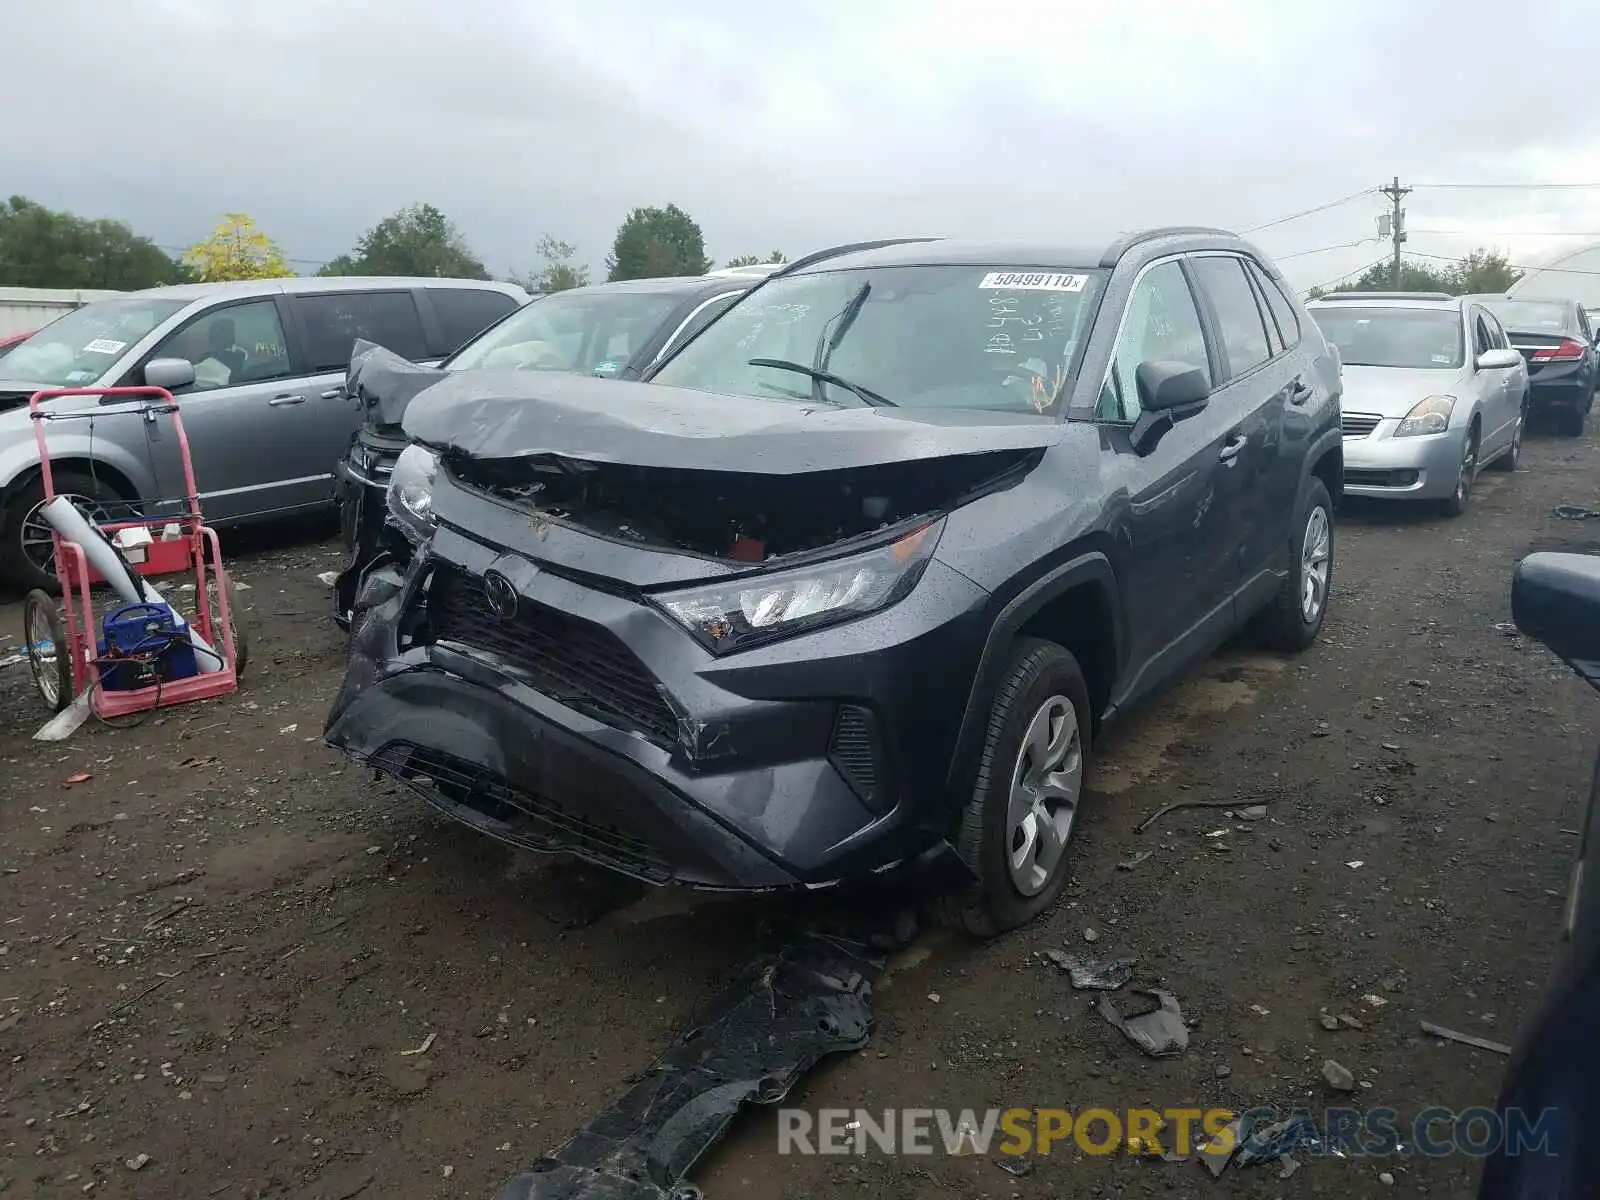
x,y
258,368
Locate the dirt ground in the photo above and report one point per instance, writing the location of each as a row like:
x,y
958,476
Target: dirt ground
x,y
216,949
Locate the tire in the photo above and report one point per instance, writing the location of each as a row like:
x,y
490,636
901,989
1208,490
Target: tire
x,y
41,620
26,569
1042,688
1512,458
241,639
1291,622
1466,475
1570,421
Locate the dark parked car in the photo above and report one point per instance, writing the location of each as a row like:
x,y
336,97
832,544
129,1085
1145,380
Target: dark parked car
x,y
616,330
852,584
1556,599
1557,340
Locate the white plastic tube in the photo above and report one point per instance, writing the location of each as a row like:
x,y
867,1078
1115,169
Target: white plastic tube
x,y
71,524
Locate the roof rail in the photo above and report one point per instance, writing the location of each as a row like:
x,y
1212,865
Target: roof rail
x,y
1387,296
1128,241
817,256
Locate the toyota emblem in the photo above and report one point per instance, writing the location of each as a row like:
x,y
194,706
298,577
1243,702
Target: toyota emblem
x,y
500,595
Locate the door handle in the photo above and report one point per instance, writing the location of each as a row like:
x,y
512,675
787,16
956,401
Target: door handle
x,y
337,393
1229,454
284,400
1299,392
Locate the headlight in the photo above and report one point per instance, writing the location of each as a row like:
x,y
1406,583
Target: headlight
x,y
742,613
410,495
1432,415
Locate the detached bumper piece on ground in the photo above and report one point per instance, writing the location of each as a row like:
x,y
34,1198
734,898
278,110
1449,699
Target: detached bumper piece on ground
x,y
758,1038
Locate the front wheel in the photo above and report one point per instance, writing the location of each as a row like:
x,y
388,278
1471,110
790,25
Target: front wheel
x,y
28,555
1294,618
1016,827
49,655
1512,458
1466,476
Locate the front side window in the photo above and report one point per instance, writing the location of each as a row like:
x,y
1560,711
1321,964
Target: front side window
x,y
334,320
572,331
1244,335
1420,338
931,336
1483,340
78,348
241,343
1161,325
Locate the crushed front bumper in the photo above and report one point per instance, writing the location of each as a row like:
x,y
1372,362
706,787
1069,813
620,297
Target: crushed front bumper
x,y
1409,468
591,725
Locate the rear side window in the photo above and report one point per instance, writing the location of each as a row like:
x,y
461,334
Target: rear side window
x,y
333,321
464,313
1282,311
1244,336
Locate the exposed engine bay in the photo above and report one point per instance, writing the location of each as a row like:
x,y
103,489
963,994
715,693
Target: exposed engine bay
x,y
734,516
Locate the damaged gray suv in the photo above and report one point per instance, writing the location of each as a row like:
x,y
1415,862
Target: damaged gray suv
x,y
853,584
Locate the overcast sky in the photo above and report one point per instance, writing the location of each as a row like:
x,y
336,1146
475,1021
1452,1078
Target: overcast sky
x,y
793,125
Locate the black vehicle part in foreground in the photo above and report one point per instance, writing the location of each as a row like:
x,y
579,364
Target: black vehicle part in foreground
x,y
771,1025
1554,1070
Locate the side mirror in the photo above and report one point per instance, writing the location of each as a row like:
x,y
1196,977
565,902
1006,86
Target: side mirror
x,y
169,373
1498,360
1164,386
1555,599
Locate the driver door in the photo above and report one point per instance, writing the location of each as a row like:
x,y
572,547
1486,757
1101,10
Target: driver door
x,y
243,415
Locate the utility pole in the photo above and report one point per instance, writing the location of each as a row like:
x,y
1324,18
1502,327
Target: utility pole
x,y
1397,225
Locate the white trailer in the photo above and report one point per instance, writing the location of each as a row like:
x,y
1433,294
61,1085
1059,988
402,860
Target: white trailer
x,y
22,310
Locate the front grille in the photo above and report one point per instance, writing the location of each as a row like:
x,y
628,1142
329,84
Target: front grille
x,y
536,822
1359,425
577,662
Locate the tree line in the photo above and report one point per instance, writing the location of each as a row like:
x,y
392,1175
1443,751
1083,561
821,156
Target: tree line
x,y
1482,272
46,248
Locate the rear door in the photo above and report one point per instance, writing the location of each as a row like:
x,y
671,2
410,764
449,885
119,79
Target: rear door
x,y
1250,398
329,324
238,415
1179,555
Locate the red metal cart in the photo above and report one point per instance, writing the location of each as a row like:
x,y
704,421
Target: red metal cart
x,y
65,654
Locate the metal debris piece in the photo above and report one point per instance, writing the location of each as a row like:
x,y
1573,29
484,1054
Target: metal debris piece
x,y
1175,806
1217,1152
1466,1039
1266,1143
767,1029
1015,1164
1094,974
427,1044
1373,1000
1253,812
1133,860
1160,1033
1574,512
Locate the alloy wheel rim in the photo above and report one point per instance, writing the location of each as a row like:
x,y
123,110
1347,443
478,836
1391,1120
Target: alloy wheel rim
x,y
38,546
1464,480
42,654
1046,782
1316,556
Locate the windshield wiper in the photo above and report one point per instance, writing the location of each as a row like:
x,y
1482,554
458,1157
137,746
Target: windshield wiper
x,y
866,395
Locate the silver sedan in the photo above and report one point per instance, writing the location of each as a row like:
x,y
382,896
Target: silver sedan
x,y
1433,393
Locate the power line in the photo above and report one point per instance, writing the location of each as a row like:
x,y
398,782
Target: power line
x,y
1307,212
1513,266
1342,276
1510,232
1323,249
1515,186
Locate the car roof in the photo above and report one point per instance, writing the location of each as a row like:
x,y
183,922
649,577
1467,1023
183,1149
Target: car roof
x,y
1487,296
313,284
670,285
1437,301
1086,253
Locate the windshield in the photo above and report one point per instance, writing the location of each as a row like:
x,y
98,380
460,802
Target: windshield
x,y
79,347
914,337
575,330
1429,339
1533,316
